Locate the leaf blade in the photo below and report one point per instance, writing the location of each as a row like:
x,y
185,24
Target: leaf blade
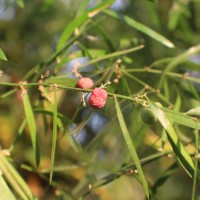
x,y
182,119
5,191
140,27
2,55
32,126
14,179
130,146
180,152
178,60
54,138
70,29
79,20
194,112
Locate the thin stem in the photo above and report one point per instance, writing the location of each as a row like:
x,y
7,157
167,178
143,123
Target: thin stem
x,y
170,74
124,170
162,97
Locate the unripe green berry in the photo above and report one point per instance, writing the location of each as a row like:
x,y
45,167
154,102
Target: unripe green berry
x,y
148,117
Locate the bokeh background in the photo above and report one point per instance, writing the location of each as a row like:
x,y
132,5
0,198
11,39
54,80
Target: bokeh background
x,y
91,146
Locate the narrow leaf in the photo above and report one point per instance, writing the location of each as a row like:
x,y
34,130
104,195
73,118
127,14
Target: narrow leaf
x,y
194,112
140,27
80,20
54,138
70,29
5,191
98,8
2,55
179,150
177,104
196,164
182,119
131,146
178,60
113,55
32,126
14,179
61,81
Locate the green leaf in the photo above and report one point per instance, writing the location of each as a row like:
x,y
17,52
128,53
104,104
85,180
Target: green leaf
x,y
113,55
70,29
140,27
32,126
196,172
98,8
178,60
5,191
82,7
14,179
61,81
182,119
177,104
54,138
179,150
20,3
194,112
80,20
131,146
2,55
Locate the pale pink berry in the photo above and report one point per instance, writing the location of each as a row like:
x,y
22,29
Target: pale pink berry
x,y
85,83
98,98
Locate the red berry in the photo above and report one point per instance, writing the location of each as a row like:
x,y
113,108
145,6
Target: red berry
x,y
85,83
98,98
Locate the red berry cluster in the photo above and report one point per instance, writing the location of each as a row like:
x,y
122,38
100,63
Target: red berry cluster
x,y
98,96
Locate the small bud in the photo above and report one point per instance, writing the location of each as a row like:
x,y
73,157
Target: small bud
x,y
98,98
85,83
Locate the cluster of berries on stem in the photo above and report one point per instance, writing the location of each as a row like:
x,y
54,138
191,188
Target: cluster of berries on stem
x,y
98,97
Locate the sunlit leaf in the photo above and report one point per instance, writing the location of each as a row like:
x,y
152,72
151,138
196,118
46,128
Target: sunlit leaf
x,y
5,191
2,55
182,119
179,150
14,179
140,27
131,146
61,81
194,112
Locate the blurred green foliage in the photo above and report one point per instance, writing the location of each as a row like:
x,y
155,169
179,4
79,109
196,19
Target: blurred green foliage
x,y
150,52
